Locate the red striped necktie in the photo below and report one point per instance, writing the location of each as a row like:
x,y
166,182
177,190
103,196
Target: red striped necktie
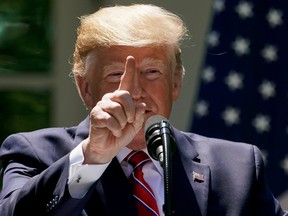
x,y
144,197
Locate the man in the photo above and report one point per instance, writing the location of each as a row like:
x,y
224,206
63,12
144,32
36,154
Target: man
x,y
127,68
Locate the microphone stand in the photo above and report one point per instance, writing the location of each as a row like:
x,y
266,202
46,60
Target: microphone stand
x,y
165,132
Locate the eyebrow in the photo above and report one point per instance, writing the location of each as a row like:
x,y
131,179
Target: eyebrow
x,y
113,65
152,62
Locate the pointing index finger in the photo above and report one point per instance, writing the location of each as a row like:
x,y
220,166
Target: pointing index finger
x,y
128,76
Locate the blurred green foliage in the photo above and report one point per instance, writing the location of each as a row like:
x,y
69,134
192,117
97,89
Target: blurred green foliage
x,y
23,111
25,47
25,39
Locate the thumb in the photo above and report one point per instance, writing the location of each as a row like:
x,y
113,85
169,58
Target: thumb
x,y
130,131
139,116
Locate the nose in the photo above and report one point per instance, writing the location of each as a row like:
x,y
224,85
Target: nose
x,y
137,91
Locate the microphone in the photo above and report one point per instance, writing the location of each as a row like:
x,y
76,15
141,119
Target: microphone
x,y
159,135
161,144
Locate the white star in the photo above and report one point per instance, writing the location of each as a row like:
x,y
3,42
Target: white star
x,y
244,9
201,108
213,39
261,123
241,46
267,89
219,6
269,53
208,74
231,116
234,80
274,17
284,164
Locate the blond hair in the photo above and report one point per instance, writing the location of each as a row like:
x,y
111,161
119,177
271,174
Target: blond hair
x,y
136,25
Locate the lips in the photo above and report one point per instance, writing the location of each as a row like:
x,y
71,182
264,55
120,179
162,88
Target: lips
x,y
149,112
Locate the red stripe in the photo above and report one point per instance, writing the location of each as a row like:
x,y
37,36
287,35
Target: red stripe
x,y
145,199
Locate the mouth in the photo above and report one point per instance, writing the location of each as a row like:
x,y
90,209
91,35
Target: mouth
x,y
148,113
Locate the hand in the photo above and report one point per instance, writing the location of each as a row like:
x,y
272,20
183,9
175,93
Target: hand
x,y
114,121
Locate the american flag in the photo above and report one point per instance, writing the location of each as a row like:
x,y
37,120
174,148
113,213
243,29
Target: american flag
x,y
243,95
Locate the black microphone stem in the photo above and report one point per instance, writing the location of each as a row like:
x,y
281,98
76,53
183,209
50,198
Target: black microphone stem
x,y
167,168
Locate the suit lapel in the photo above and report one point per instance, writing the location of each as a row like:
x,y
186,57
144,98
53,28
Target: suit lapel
x,y
191,179
115,192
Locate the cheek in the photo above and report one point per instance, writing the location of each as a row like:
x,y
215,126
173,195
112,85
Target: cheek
x,y
161,94
101,88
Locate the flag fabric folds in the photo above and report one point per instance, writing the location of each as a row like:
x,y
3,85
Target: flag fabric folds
x,y
243,94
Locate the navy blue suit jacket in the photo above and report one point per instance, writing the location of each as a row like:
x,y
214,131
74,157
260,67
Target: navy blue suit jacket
x,y
36,164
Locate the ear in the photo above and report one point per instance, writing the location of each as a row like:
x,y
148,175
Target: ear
x,y
84,90
177,84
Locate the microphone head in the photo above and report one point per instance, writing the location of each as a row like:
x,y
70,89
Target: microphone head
x,y
159,136
156,119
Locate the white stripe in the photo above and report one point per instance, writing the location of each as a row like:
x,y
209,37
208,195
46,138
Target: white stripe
x,y
142,162
148,207
147,189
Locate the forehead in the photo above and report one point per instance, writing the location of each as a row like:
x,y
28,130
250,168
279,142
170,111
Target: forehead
x,y
119,54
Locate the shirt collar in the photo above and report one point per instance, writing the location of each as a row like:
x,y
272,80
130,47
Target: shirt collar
x,y
125,151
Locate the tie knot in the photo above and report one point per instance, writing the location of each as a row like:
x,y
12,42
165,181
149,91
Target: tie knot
x,y
137,158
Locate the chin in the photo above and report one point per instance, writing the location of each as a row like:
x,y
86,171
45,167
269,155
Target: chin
x,y
139,141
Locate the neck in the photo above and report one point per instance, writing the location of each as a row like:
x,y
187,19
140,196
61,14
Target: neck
x,y
138,142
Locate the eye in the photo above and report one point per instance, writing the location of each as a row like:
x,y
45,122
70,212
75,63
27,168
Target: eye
x,y
114,77
152,74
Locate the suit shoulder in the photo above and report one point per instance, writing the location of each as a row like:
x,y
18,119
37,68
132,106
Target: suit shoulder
x,y
38,143
221,147
215,142
44,134
80,130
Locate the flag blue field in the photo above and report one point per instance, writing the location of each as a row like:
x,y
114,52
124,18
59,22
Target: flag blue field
x,y
243,94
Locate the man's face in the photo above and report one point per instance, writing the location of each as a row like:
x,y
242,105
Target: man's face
x,y
155,82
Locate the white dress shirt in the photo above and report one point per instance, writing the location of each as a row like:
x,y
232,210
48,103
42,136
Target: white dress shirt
x,y
82,177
